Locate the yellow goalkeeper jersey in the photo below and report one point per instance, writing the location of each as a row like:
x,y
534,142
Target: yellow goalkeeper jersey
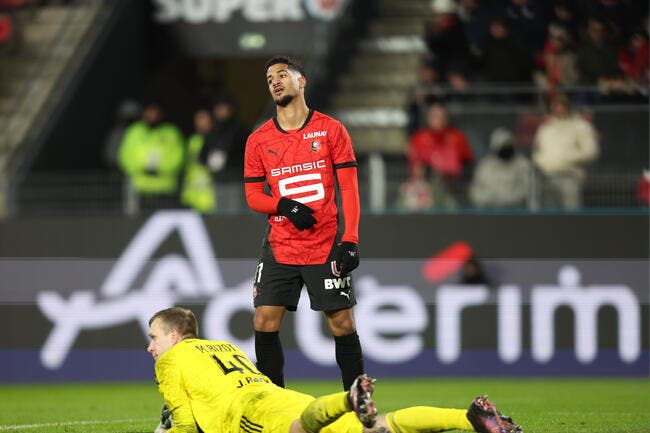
x,y
215,386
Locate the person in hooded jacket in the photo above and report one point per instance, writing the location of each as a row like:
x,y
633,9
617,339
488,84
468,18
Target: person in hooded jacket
x,y
502,178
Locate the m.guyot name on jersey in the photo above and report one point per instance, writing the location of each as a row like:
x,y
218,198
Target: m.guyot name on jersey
x,y
337,283
298,168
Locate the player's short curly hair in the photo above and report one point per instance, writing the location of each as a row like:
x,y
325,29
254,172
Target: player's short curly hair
x,y
180,319
289,61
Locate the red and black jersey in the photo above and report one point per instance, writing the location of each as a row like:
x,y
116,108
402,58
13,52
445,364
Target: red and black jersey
x,y
302,165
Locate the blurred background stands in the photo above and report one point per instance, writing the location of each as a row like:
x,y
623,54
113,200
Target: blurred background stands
x,y
48,42
371,89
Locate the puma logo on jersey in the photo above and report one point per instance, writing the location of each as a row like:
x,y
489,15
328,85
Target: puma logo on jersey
x,y
336,283
346,294
314,134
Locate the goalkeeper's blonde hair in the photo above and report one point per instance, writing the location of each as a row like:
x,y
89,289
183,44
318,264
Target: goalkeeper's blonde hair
x,y
180,319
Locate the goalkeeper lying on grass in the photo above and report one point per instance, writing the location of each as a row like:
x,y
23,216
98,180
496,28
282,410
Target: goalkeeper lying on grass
x,y
212,387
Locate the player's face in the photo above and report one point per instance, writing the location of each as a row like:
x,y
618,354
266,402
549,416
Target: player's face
x,y
284,83
162,339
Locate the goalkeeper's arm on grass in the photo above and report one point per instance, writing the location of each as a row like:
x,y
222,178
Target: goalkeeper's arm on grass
x,y
165,420
182,420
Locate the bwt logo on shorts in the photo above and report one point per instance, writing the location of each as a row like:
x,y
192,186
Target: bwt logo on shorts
x,y
337,283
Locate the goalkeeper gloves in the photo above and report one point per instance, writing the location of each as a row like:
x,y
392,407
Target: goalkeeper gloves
x,y
346,258
165,420
296,212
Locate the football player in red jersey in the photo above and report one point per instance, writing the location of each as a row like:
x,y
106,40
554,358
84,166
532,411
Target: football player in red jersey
x,y
308,162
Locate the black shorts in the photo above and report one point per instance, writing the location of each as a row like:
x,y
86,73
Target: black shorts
x,y
280,285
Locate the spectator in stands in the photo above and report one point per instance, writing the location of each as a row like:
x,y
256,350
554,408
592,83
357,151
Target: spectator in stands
x,y
643,188
505,59
527,21
223,152
198,191
445,37
224,146
443,151
415,194
564,145
475,16
618,17
502,179
151,154
430,88
10,31
564,15
129,111
6,28
557,62
598,63
633,58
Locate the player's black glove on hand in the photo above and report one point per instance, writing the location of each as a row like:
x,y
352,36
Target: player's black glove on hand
x,y
346,257
296,212
166,417
165,420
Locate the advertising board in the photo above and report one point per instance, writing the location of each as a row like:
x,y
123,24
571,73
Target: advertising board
x,y
85,316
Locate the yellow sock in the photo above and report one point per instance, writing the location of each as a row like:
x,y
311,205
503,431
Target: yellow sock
x,y
425,419
323,411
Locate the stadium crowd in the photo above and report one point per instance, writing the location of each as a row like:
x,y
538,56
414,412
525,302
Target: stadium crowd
x,y
587,43
564,54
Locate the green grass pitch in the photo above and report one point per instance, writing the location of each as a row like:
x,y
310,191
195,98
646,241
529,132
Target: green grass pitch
x,y
539,405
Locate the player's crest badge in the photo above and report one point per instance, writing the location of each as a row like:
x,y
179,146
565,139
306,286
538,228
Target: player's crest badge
x,y
315,146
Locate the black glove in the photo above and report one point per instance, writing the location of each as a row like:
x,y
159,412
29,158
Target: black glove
x,y
346,258
165,420
296,212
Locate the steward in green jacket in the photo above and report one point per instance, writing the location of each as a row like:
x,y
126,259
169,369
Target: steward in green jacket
x,y
152,154
198,186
